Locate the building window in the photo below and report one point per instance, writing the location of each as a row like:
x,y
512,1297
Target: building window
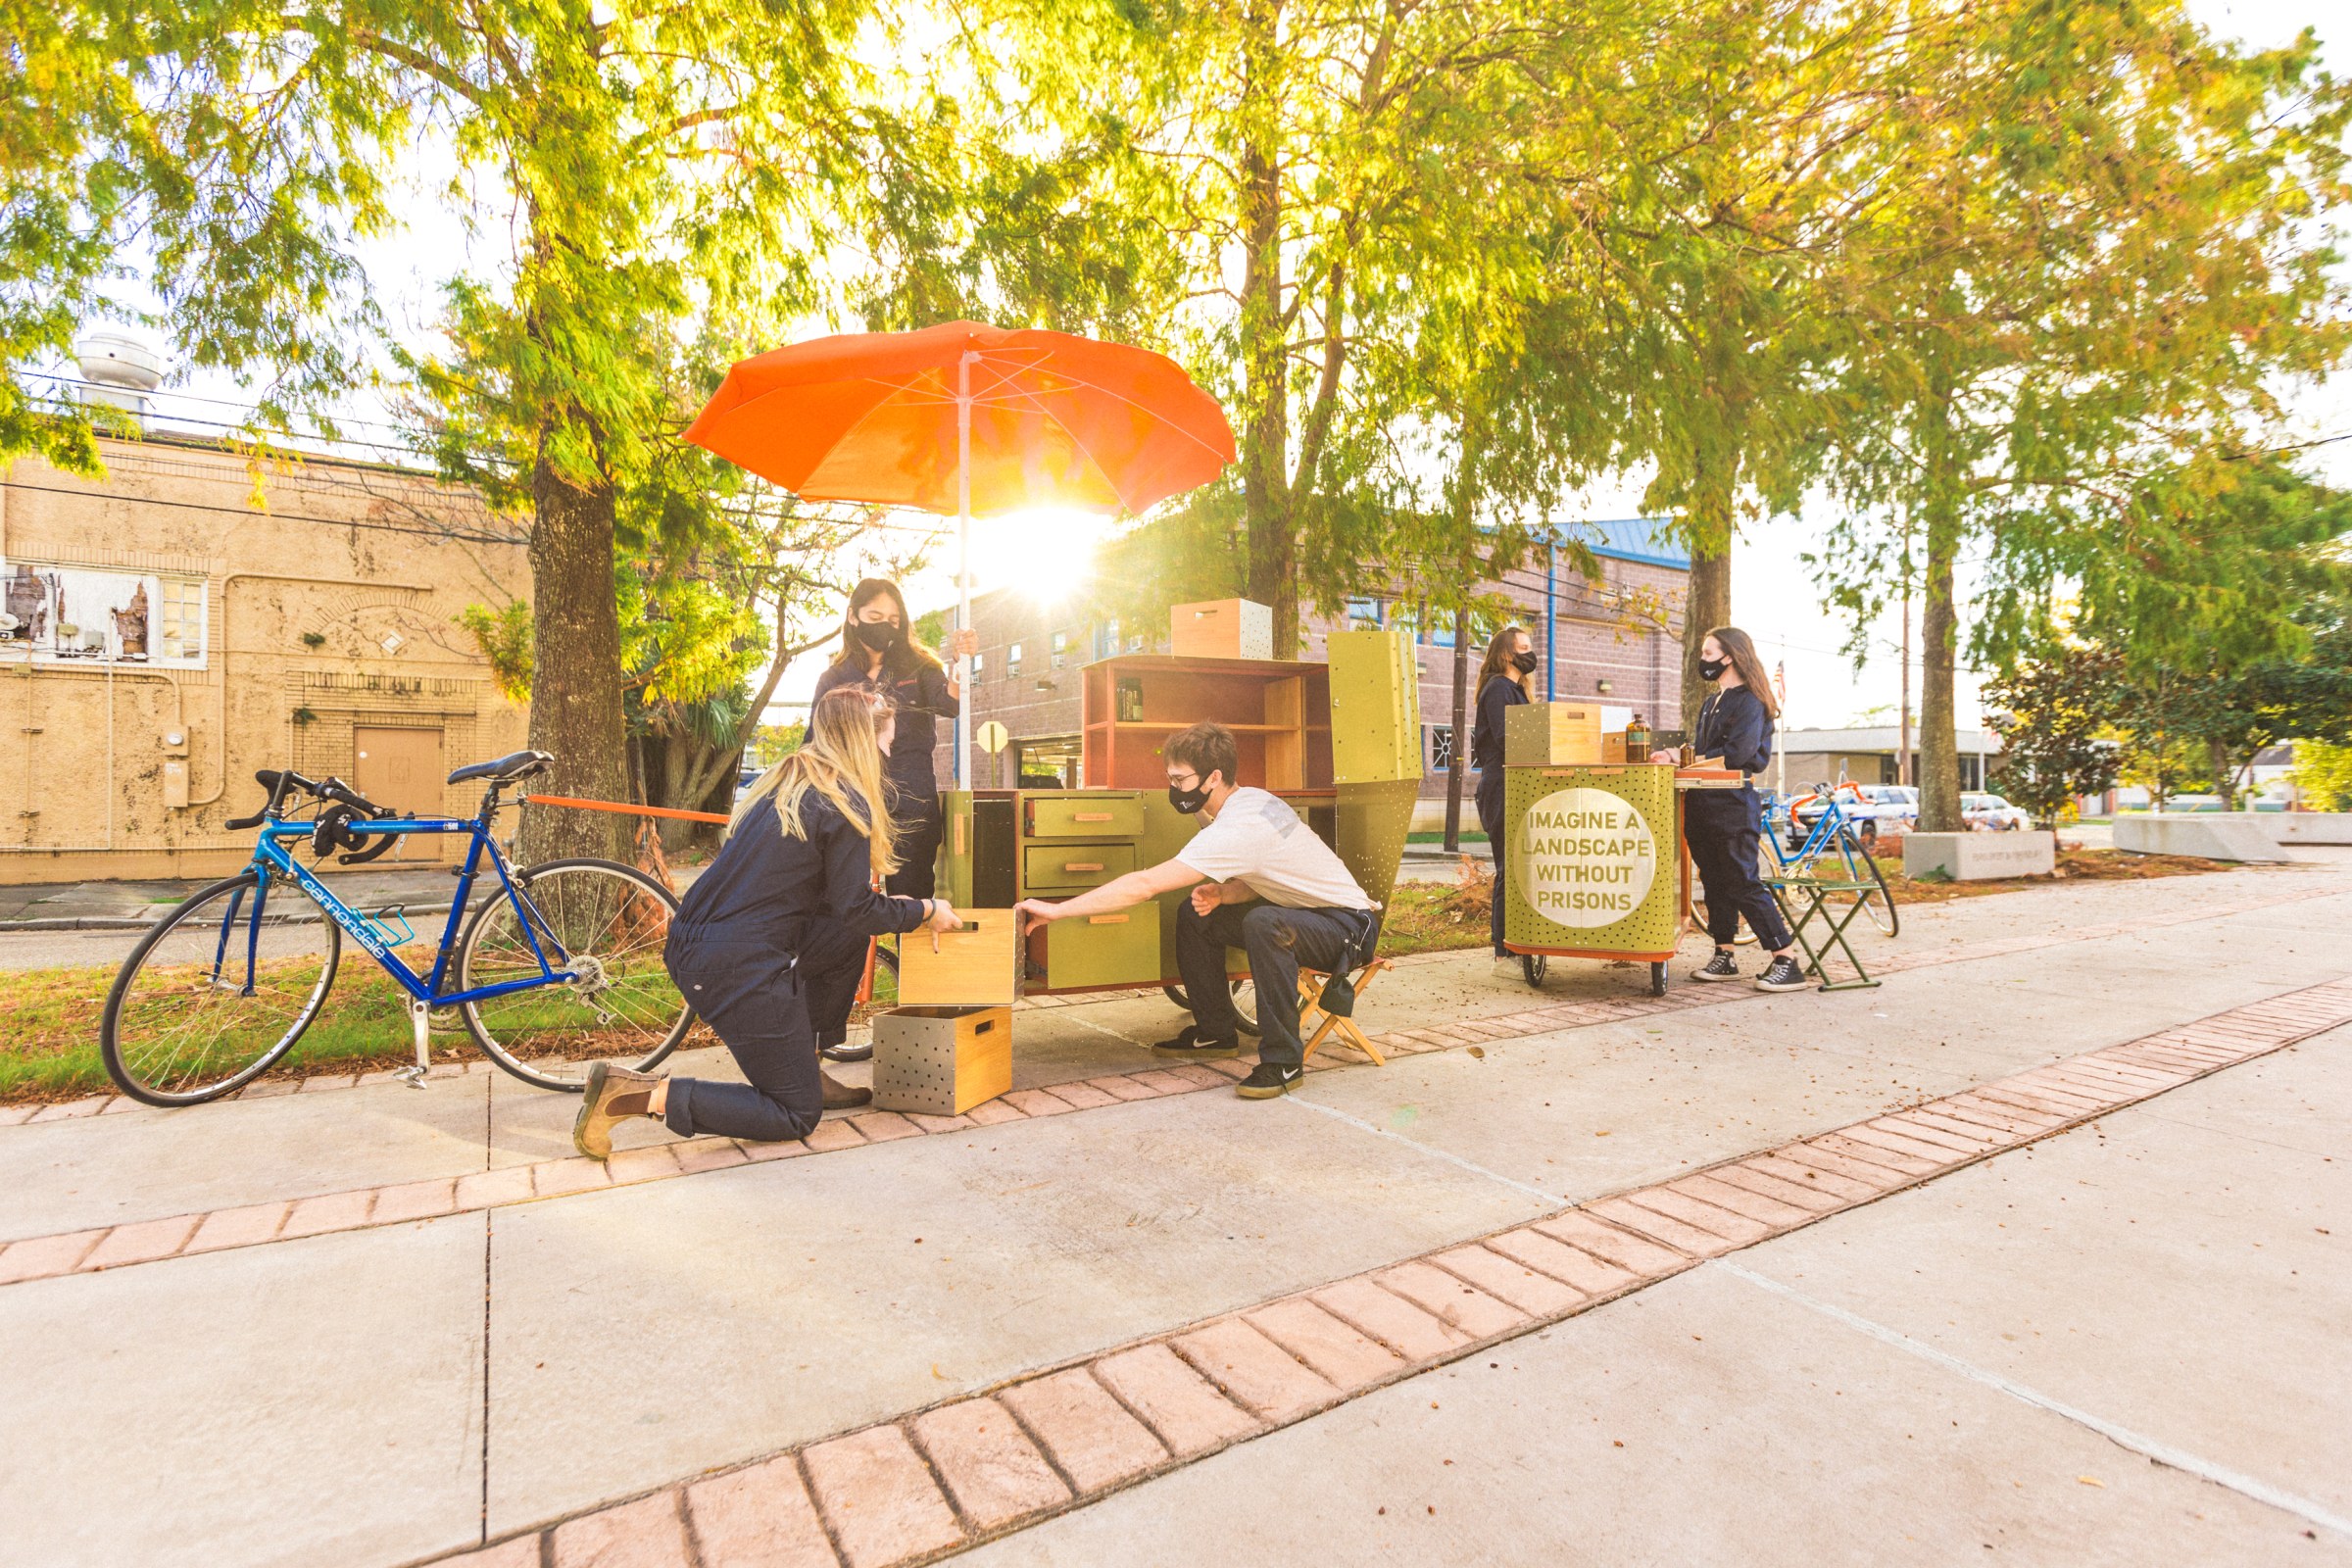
x,y
1013,660
1061,642
180,617
1366,614
1441,746
979,663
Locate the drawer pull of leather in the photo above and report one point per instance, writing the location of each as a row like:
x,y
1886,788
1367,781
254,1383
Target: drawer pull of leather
x,y
1082,865
1106,919
984,1027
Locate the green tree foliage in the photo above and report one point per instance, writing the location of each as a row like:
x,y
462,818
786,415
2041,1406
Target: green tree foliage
x,y
2102,256
2053,715
2322,776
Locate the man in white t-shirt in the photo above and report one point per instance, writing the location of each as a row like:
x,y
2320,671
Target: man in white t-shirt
x,y
1262,881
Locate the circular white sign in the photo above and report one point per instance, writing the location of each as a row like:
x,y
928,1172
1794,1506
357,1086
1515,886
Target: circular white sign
x,y
1583,858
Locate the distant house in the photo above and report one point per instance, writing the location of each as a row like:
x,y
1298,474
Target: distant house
x,y
1618,639
1804,758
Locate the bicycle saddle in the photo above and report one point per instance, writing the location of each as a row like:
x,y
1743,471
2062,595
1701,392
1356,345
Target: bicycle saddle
x,y
506,769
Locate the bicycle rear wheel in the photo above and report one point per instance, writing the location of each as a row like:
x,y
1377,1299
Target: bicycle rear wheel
x,y
218,992
1863,866
605,927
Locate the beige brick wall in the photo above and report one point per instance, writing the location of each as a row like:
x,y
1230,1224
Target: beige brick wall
x,y
329,597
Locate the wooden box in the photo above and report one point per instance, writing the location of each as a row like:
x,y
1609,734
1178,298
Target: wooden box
x,y
1552,735
976,967
941,1061
1221,628
1613,752
1375,707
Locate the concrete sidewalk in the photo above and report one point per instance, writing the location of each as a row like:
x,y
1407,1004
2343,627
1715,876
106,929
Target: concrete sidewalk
x,y
338,1384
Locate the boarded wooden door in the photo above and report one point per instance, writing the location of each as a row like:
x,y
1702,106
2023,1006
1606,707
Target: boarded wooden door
x,y
402,769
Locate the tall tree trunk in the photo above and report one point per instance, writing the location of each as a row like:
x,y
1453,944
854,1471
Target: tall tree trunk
x,y
1708,603
575,691
1938,624
2224,773
1459,761
1265,361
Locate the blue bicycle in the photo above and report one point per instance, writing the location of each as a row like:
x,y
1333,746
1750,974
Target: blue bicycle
x,y
1790,849
559,966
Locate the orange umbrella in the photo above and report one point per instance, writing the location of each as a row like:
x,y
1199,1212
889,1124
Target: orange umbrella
x,y
972,418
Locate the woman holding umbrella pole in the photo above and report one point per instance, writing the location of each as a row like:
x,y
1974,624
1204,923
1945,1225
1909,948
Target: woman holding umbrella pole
x,y
880,653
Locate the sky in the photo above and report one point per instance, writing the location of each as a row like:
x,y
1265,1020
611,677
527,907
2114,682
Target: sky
x,y
1773,595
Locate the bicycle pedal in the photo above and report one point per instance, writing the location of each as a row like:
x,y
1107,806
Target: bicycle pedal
x,y
414,1077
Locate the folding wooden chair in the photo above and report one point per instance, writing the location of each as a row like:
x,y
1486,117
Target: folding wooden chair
x,y
1311,996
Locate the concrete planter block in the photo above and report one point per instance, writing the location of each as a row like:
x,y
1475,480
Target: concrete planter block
x,y
2307,827
2215,835
1979,856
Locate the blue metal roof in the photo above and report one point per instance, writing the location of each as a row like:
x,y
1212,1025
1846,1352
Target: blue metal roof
x,y
1648,540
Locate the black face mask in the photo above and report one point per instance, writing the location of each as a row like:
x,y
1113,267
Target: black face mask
x,y
1189,802
877,635
1713,668
1524,663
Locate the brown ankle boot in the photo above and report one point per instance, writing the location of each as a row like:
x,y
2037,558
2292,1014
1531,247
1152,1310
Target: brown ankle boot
x,y
613,1095
841,1096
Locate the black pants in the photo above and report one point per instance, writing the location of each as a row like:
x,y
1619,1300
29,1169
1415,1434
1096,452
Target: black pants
x,y
1722,846
771,1013
1280,942
1489,818
916,845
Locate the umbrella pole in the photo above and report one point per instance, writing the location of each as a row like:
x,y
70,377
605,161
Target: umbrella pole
x,y
963,564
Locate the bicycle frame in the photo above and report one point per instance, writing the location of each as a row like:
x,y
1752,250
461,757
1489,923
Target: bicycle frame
x,y
273,856
1827,830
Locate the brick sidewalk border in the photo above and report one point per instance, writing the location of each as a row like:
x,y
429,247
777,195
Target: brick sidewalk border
x,y
111,1103
289,1219
937,1481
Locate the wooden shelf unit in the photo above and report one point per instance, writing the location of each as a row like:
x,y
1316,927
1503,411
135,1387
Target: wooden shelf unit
x,y
1279,713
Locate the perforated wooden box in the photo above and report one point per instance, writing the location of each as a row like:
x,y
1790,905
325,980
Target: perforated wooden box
x,y
1551,735
1221,628
941,1061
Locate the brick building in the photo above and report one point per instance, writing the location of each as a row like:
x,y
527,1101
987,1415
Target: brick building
x,y
1617,638
189,619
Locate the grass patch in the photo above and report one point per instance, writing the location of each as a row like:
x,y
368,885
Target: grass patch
x,y
1468,836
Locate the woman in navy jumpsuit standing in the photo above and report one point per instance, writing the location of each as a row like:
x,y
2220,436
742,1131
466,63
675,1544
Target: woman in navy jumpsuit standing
x,y
1721,825
769,944
1501,687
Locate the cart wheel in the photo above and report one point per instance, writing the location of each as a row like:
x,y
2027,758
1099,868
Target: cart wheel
x,y
1658,979
1533,965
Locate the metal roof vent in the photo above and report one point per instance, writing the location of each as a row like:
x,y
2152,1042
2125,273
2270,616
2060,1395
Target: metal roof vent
x,y
120,371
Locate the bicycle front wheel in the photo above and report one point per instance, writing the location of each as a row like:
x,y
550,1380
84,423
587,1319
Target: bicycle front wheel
x,y
218,992
603,928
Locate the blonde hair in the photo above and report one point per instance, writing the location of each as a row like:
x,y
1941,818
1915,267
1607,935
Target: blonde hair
x,y
842,761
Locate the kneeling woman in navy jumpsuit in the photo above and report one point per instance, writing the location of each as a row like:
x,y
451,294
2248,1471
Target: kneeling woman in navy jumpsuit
x,y
1721,825
769,944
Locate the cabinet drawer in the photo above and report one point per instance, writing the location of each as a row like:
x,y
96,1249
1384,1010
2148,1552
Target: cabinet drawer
x,y
1084,816
1105,950
1051,868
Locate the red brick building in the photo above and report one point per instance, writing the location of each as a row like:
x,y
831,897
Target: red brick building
x,y
1617,638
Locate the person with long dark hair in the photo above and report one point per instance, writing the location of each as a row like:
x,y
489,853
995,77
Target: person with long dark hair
x,y
1735,723
1502,682
879,651
769,943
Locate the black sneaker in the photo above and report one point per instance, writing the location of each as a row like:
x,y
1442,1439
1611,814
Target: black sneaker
x,y
1721,967
1783,976
1191,1044
1267,1081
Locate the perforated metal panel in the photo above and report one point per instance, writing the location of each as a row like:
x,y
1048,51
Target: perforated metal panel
x,y
1592,860
941,1061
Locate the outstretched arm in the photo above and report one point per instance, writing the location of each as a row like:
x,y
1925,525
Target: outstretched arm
x,y
1120,893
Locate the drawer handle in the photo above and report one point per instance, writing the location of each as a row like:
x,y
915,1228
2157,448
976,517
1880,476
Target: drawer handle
x,y
1091,817
1083,866
984,1027
1106,919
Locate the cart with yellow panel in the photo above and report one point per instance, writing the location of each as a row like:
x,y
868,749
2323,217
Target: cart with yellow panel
x,y
1340,740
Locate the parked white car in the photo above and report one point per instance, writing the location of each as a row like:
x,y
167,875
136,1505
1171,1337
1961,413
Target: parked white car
x,y
1872,808
1991,813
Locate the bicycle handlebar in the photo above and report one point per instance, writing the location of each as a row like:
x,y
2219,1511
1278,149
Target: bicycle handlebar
x,y
278,781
